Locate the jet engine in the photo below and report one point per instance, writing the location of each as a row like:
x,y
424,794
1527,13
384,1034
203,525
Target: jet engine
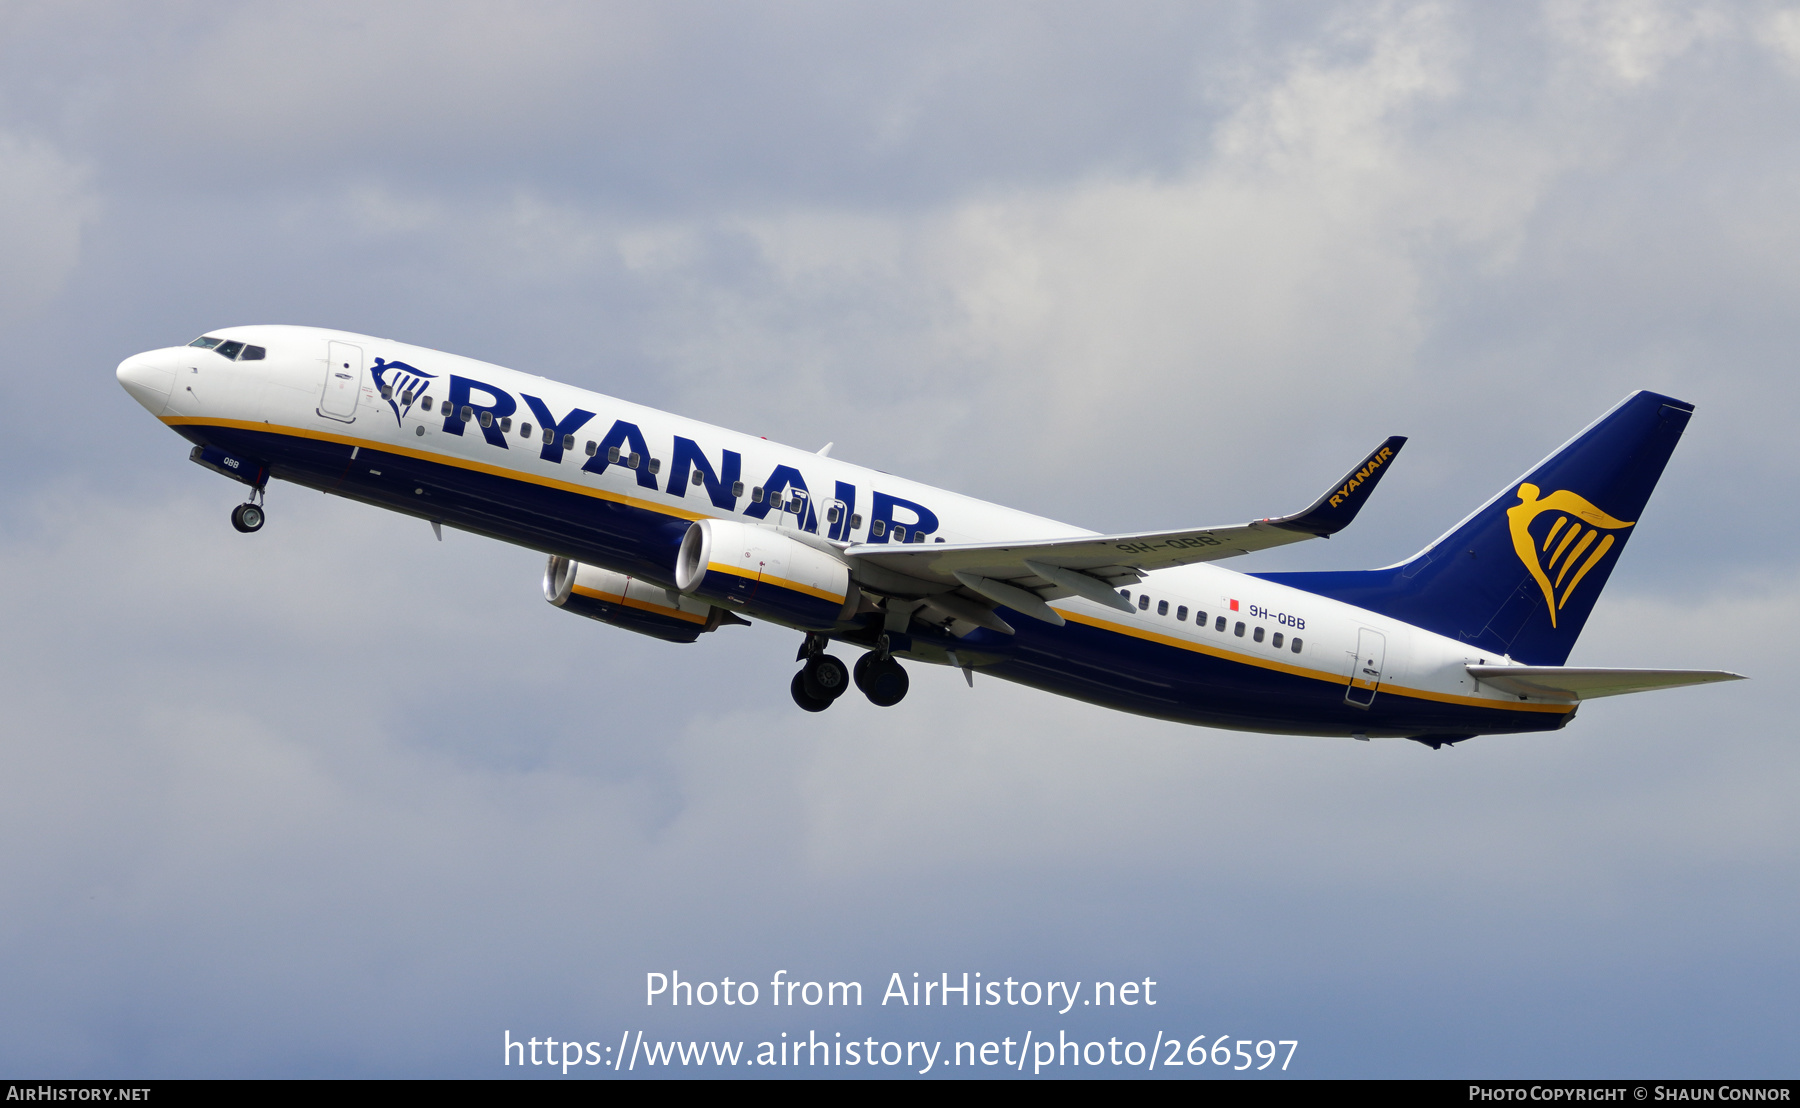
x,y
629,602
767,573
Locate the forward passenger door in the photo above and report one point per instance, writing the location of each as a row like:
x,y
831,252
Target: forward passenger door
x,y
343,381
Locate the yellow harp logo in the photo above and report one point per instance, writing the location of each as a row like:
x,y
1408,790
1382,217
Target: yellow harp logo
x,y
1578,526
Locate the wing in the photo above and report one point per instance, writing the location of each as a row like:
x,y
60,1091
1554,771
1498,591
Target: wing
x,y
1023,575
1579,683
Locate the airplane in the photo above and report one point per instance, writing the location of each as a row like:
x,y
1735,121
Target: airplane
x,y
673,528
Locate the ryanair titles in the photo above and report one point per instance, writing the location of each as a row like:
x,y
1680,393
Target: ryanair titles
x,y
466,402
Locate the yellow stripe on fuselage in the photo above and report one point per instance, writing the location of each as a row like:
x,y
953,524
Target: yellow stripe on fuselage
x,y
682,513
1300,671
430,456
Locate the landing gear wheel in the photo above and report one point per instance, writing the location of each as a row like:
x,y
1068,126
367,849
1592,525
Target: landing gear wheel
x,y
806,700
884,682
825,678
247,518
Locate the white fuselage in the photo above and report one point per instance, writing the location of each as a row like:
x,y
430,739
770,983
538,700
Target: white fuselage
x,y
287,394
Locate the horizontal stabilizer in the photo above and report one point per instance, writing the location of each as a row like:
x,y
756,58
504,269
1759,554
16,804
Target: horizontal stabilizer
x,y
1582,683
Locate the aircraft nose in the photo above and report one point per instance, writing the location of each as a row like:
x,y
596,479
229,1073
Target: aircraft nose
x,y
148,384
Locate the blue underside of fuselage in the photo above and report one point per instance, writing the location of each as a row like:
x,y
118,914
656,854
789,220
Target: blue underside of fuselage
x,y
1084,662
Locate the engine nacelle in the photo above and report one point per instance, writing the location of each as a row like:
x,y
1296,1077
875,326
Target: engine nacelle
x,y
628,602
769,574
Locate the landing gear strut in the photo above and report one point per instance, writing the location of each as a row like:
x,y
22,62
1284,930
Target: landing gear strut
x,y
822,680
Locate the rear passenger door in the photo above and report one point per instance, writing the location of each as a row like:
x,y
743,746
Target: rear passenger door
x,y
1365,668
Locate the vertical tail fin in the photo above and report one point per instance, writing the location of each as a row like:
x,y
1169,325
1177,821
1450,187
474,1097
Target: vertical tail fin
x,y
1519,576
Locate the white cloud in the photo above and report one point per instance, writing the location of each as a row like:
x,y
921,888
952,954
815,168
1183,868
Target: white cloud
x,y
1781,32
1293,256
1630,42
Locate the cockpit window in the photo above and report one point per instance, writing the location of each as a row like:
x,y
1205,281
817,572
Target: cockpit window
x,y
228,349
204,343
252,354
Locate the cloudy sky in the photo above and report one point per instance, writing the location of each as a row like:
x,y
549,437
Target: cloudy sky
x,y
340,800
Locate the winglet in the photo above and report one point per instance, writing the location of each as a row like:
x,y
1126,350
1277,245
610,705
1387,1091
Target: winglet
x,y
1334,511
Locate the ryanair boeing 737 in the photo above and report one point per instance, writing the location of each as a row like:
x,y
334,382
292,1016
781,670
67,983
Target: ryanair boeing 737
x,y
673,528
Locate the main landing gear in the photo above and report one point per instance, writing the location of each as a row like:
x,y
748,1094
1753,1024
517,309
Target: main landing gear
x,y
824,678
881,679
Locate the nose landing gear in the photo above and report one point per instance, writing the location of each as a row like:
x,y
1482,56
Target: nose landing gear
x,y
247,517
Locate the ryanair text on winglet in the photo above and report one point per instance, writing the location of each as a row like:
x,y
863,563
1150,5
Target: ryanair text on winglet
x,y
1361,475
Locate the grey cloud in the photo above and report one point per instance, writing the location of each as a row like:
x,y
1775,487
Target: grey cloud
x,y
45,205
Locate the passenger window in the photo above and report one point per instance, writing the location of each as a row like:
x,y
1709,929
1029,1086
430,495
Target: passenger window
x,y
524,430
425,403
406,398
204,342
832,514
1143,601
549,437
506,425
468,414
593,448
387,392
737,489
899,533
655,463
940,538
1296,646
878,528
697,479
1181,613
756,494
612,455
1162,607
487,419
568,442
632,462
1200,620
252,354
1276,641
855,522
1257,636
1126,593
228,349
1220,625
1239,629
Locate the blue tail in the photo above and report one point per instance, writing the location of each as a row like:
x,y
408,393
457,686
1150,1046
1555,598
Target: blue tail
x,y
1519,576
